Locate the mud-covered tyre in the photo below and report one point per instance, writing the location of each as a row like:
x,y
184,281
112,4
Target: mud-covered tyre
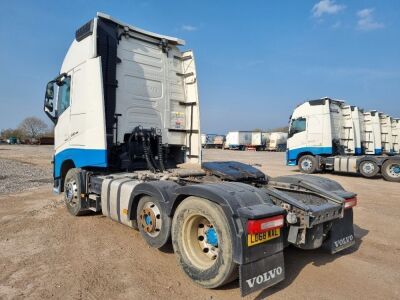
x,y
72,192
202,242
391,170
308,164
154,224
369,168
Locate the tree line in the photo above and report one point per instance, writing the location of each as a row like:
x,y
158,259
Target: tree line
x,y
30,128
278,129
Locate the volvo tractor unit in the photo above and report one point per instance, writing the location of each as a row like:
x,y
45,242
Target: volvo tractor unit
x,y
327,134
127,144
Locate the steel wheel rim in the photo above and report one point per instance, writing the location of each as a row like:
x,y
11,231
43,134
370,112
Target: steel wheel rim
x,y
306,164
150,219
71,193
394,170
200,241
368,167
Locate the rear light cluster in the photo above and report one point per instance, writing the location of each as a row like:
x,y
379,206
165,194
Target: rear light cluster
x,y
263,225
350,202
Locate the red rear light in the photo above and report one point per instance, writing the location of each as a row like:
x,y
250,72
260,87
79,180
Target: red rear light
x,y
263,225
350,202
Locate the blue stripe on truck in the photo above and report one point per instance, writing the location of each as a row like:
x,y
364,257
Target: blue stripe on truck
x,y
292,154
81,158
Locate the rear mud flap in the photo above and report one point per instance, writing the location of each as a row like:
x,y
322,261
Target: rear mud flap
x,y
342,233
261,274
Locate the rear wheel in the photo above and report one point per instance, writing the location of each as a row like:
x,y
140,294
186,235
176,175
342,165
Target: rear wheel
x,y
308,164
153,223
391,170
72,192
202,242
369,168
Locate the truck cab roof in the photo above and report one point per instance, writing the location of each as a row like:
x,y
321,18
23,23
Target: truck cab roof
x,y
172,40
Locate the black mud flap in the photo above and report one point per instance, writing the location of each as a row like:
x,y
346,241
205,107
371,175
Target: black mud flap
x,y
342,233
261,274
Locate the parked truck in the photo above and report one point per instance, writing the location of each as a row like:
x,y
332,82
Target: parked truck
x,y
330,135
246,140
237,140
277,141
212,141
128,149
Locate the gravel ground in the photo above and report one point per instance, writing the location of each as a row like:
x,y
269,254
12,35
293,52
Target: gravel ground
x,y
17,176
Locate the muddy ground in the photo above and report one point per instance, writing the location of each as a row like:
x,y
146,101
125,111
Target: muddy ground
x,y
46,253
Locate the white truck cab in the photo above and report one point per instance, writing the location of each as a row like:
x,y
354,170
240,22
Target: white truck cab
x,y
328,134
117,79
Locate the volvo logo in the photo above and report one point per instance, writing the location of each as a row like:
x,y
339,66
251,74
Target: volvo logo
x,y
271,274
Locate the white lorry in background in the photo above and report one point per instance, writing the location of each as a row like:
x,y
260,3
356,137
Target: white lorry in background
x,y
277,141
247,140
127,144
237,140
212,141
327,134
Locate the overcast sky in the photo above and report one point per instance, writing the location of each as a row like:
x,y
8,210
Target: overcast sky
x,y
256,60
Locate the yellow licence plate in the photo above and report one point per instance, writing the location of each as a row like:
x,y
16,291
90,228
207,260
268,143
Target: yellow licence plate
x,y
258,238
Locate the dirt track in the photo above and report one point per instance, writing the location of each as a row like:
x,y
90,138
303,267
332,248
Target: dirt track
x,y
46,253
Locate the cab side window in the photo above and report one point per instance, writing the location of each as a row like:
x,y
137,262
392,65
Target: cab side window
x,y
298,125
64,95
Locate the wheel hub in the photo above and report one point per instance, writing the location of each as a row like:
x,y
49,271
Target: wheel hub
x,y
306,164
207,238
394,170
211,237
71,193
368,168
150,219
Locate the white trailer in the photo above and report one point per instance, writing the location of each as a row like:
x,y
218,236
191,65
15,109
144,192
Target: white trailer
x,y
238,140
266,137
212,141
327,134
277,141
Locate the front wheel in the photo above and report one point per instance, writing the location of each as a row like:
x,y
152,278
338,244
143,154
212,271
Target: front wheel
x,y
308,164
72,192
202,242
391,170
369,168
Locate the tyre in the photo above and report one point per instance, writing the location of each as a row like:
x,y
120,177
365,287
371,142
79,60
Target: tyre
x,y
369,168
391,170
154,225
308,164
202,242
72,192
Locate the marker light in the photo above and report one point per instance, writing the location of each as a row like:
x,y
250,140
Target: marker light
x,y
350,202
263,225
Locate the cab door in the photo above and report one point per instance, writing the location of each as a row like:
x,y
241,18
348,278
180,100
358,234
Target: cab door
x,y
62,128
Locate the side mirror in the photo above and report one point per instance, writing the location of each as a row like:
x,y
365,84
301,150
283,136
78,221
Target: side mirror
x,y
49,96
50,90
49,102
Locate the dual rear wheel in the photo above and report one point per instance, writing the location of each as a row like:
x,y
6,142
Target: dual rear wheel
x,y
201,238
390,169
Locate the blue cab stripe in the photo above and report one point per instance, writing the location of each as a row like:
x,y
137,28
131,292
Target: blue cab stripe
x,y
292,154
81,158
